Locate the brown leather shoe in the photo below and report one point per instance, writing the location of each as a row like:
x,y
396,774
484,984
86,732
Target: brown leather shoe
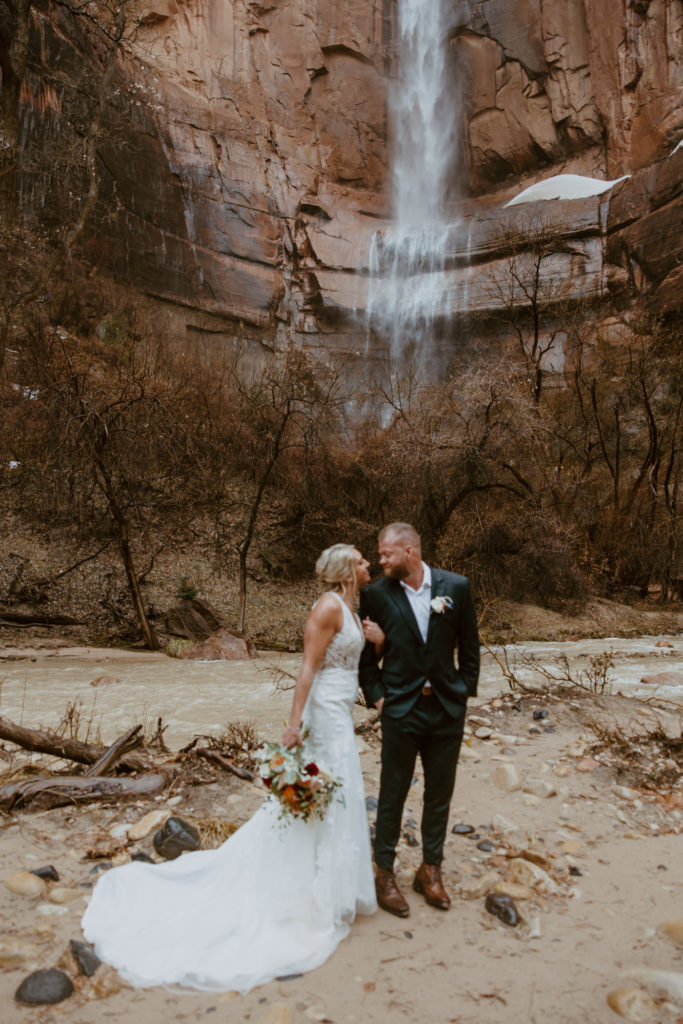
x,y
428,881
389,896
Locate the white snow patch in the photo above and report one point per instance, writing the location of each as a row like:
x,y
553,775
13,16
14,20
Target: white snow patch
x,y
565,186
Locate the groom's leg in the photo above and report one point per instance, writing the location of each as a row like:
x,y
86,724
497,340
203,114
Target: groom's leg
x,y
439,750
399,751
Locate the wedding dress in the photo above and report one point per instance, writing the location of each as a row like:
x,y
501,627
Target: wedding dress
x,y
276,898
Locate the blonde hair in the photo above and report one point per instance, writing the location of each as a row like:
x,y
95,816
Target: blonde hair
x,y
334,564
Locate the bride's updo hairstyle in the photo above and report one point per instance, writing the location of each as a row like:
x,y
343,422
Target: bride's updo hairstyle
x,y
334,565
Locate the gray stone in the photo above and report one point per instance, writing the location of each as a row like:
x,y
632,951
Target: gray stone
x,y
503,907
44,987
175,837
85,956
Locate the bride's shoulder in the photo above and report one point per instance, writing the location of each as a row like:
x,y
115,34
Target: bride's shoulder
x,y
328,608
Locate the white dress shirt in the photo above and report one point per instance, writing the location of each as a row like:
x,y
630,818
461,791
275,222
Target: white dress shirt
x,y
420,600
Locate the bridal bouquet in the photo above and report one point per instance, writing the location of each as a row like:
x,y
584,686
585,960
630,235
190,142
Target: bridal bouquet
x,y
303,790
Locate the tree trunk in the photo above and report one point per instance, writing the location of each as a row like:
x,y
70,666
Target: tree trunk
x,y
133,585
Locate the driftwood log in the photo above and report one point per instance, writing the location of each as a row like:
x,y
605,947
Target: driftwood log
x,y
216,758
46,742
121,746
100,758
58,790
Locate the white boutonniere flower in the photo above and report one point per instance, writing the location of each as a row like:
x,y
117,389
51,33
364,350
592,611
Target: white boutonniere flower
x,y
441,604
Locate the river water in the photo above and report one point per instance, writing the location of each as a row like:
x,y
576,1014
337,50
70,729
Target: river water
x,y
202,697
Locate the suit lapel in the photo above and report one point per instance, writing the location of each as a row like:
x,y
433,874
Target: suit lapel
x,y
437,591
402,605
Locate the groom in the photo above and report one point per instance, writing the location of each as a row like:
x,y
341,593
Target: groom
x,y
425,615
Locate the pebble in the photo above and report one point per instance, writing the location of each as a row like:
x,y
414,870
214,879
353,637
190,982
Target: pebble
x,y
104,680
586,764
562,771
25,883
514,890
45,986
105,983
371,804
663,679
63,894
501,824
502,907
16,951
632,1004
462,830
85,956
51,910
175,837
277,1013
145,825
540,714
661,983
481,887
486,846
540,788
626,793
119,831
673,930
142,856
484,733
48,873
526,873
506,777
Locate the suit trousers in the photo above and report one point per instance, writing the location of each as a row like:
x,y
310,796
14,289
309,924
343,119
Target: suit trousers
x,y
430,731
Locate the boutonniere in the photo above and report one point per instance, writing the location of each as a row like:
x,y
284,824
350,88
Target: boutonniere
x,y
441,604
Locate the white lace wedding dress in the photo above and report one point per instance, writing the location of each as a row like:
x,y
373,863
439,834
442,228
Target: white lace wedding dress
x,y
274,899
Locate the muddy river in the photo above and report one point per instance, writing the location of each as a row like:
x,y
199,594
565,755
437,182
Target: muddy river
x,y
201,697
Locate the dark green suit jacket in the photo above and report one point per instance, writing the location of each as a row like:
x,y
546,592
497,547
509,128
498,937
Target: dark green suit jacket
x,y
408,663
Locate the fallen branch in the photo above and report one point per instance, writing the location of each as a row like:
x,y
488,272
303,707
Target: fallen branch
x,y
58,790
50,743
121,746
222,762
29,619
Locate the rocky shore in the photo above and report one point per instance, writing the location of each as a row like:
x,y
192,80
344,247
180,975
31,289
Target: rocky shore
x,y
563,859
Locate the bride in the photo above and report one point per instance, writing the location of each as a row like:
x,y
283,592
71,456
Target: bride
x,y
274,899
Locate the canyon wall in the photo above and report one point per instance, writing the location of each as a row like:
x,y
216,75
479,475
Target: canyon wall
x,y
257,165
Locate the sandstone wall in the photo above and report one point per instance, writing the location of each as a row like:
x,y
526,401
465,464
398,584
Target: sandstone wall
x,y
258,163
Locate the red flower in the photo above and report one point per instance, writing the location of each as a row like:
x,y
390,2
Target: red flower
x,y
311,769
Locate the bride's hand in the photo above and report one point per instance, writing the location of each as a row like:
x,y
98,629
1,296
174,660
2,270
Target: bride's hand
x,y
373,632
292,737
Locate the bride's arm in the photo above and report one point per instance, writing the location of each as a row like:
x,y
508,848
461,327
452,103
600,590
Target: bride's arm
x,y
324,621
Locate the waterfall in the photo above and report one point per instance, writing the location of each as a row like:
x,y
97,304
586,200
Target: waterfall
x,y
407,260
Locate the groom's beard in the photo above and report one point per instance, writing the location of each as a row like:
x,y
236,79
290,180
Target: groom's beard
x,y
399,572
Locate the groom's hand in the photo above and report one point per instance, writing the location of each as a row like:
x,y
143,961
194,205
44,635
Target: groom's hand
x,y
379,704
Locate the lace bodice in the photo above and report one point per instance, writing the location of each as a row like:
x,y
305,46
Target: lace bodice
x,y
346,645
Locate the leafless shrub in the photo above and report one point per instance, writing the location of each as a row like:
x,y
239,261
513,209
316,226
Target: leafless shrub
x,y
595,679
79,723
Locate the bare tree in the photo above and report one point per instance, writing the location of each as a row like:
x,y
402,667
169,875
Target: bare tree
x,y
287,407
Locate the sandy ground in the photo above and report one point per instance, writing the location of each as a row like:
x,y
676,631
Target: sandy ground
x,y
611,872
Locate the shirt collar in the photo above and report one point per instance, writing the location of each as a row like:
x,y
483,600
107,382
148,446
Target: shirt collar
x,y
426,581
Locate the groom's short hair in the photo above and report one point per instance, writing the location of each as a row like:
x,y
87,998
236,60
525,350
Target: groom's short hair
x,y
405,531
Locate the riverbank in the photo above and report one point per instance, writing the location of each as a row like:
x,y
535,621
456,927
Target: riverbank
x,y
554,812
